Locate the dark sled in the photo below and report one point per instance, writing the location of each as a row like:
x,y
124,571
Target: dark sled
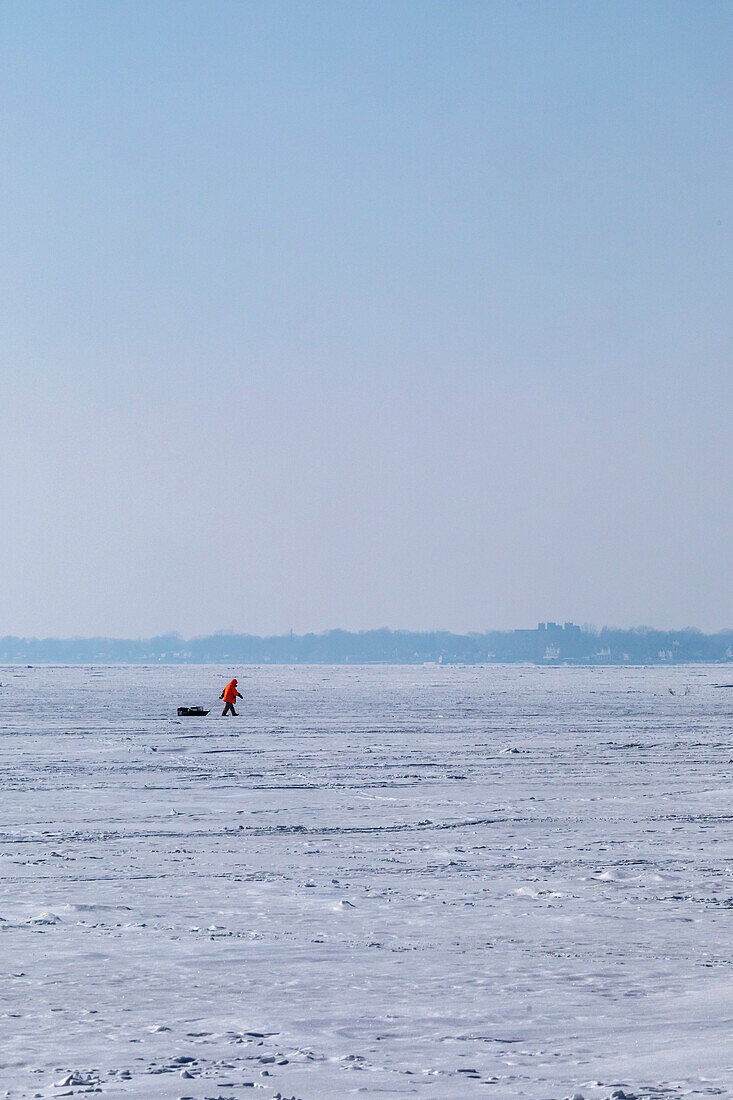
x,y
192,712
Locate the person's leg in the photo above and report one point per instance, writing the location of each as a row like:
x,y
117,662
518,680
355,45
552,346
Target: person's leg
x,y
228,707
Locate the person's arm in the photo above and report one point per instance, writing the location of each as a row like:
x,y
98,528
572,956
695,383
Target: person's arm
x,y
239,696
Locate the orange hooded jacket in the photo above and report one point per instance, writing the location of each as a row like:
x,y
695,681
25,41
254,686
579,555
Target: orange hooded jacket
x,y
229,695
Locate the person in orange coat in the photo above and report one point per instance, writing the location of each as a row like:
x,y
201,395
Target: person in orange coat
x,y
230,696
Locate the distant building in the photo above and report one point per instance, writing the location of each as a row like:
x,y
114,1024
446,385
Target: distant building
x,y
556,628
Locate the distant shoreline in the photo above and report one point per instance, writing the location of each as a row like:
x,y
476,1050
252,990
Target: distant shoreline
x,y
232,663
549,644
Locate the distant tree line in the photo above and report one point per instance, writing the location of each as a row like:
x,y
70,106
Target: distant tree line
x,y
549,643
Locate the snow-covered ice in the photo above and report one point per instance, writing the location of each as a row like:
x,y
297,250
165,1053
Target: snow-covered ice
x,y
427,881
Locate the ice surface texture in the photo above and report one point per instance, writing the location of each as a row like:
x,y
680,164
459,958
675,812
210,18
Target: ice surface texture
x,y
447,882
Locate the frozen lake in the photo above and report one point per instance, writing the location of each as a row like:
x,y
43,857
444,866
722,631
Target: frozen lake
x,y
431,881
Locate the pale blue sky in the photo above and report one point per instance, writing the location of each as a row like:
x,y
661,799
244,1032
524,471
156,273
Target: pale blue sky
x,y
365,313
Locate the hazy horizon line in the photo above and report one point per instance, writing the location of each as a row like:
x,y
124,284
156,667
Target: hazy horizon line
x,y
586,628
